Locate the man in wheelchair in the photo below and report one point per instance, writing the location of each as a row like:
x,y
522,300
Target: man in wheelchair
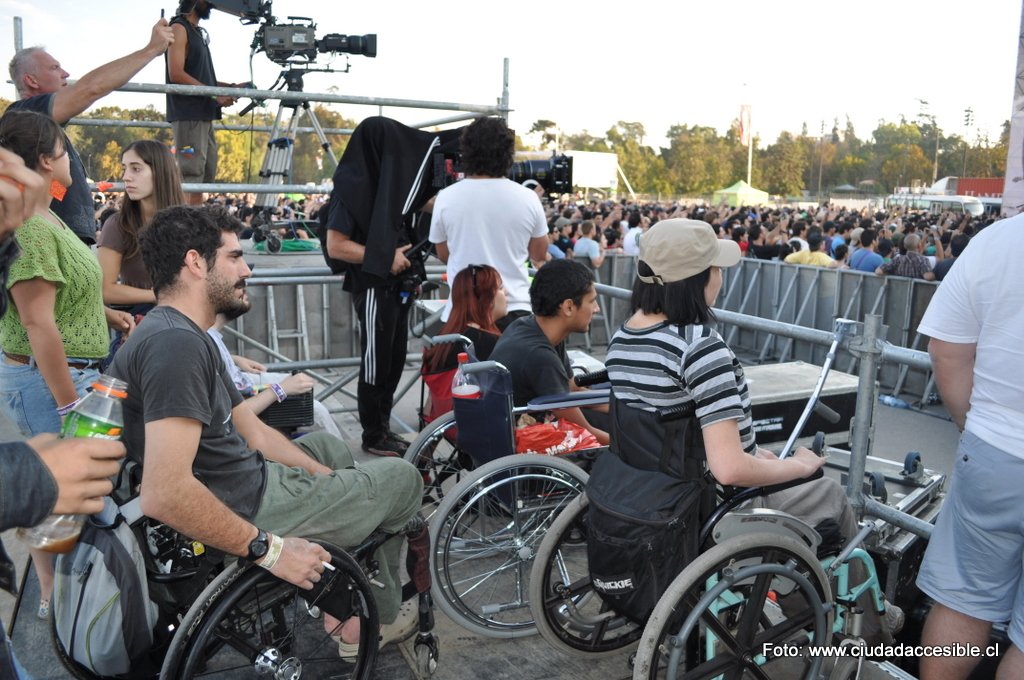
x,y
666,354
211,469
564,301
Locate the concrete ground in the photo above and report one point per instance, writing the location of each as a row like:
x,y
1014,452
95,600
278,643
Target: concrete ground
x,y
464,654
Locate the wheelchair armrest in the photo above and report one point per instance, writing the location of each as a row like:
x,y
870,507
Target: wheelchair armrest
x,y
551,402
745,495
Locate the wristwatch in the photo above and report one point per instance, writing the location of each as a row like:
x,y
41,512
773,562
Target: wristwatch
x,y
259,546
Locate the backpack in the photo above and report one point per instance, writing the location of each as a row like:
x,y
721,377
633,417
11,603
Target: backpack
x,y
103,615
643,516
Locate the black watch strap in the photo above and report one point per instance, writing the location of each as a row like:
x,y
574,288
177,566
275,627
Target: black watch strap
x,y
259,546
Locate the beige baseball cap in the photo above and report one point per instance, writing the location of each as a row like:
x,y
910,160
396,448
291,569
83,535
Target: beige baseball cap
x,y
677,249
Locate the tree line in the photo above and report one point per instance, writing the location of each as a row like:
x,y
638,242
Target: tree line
x,y
697,161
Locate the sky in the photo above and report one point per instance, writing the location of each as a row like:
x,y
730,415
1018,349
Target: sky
x,y
586,65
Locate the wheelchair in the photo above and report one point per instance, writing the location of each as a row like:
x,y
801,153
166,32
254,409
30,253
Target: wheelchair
x,y
231,619
759,587
744,607
489,507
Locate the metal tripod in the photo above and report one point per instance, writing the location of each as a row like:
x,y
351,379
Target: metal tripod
x,y
277,164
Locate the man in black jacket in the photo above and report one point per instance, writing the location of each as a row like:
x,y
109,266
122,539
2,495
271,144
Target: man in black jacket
x,y
383,179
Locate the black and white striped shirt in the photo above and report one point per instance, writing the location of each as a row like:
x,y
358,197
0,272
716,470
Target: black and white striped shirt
x,y
666,364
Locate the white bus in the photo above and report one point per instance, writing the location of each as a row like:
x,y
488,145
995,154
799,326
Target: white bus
x,y
937,203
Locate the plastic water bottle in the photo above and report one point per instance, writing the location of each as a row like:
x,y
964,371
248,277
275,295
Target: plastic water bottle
x,y
98,414
465,385
890,400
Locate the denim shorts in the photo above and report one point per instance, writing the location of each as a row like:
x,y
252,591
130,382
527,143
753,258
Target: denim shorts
x,y
973,561
26,400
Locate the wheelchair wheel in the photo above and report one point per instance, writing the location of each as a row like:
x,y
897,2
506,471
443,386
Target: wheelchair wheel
x,y
441,463
247,622
742,609
485,533
570,614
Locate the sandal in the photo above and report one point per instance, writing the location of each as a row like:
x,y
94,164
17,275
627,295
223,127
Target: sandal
x,y
44,609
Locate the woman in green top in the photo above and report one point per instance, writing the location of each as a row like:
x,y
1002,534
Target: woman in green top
x,y
55,332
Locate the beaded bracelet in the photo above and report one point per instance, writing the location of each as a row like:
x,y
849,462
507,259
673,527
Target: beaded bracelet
x,y
279,391
273,553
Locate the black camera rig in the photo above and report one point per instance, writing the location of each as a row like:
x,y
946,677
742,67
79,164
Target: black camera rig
x,y
294,41
554,174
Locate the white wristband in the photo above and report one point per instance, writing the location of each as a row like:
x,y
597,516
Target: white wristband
x,y
273,552
279,392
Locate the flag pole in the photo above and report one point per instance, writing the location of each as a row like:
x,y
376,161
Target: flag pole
x,y
750,156
747,137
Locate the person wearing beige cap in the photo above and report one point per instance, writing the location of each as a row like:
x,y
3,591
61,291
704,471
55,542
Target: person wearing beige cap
x,y
668,353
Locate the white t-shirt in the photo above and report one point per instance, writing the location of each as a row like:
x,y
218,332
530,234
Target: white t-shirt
x,y
631,241
981,301
489,221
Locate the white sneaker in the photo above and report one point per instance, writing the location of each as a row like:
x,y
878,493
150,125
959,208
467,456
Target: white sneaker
x,y
894,618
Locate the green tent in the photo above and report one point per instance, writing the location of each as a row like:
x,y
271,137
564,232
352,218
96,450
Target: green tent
x,y
739,194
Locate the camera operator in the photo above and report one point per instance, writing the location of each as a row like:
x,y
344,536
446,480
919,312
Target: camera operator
x,y
370,222
192,116
487,218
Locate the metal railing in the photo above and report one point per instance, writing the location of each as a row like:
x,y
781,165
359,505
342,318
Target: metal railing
x,y
809,297
464,111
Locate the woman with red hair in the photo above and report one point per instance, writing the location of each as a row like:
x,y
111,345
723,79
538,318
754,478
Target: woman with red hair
x,y
478,300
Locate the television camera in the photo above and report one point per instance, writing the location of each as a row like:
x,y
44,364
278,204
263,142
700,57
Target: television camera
x,y
294,42
554,174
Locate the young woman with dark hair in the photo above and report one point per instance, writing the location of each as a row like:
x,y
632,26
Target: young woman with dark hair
x,y
478,301
152,182
55,332
666,354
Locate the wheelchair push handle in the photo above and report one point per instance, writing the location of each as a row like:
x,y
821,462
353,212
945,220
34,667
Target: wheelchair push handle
x,y
483,367
448,339
589,379
677,412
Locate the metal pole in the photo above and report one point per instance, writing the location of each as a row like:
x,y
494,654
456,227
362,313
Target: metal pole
x,y
161,88
159,125
18,38
868,349
894,516
503,103
750,155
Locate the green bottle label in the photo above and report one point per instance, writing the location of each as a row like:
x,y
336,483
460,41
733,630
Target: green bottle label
x,y
79,425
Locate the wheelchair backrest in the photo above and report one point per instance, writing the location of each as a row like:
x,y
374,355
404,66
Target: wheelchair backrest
x,y
638,437
486,425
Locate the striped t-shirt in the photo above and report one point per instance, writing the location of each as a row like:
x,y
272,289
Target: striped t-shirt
x,y
667,364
